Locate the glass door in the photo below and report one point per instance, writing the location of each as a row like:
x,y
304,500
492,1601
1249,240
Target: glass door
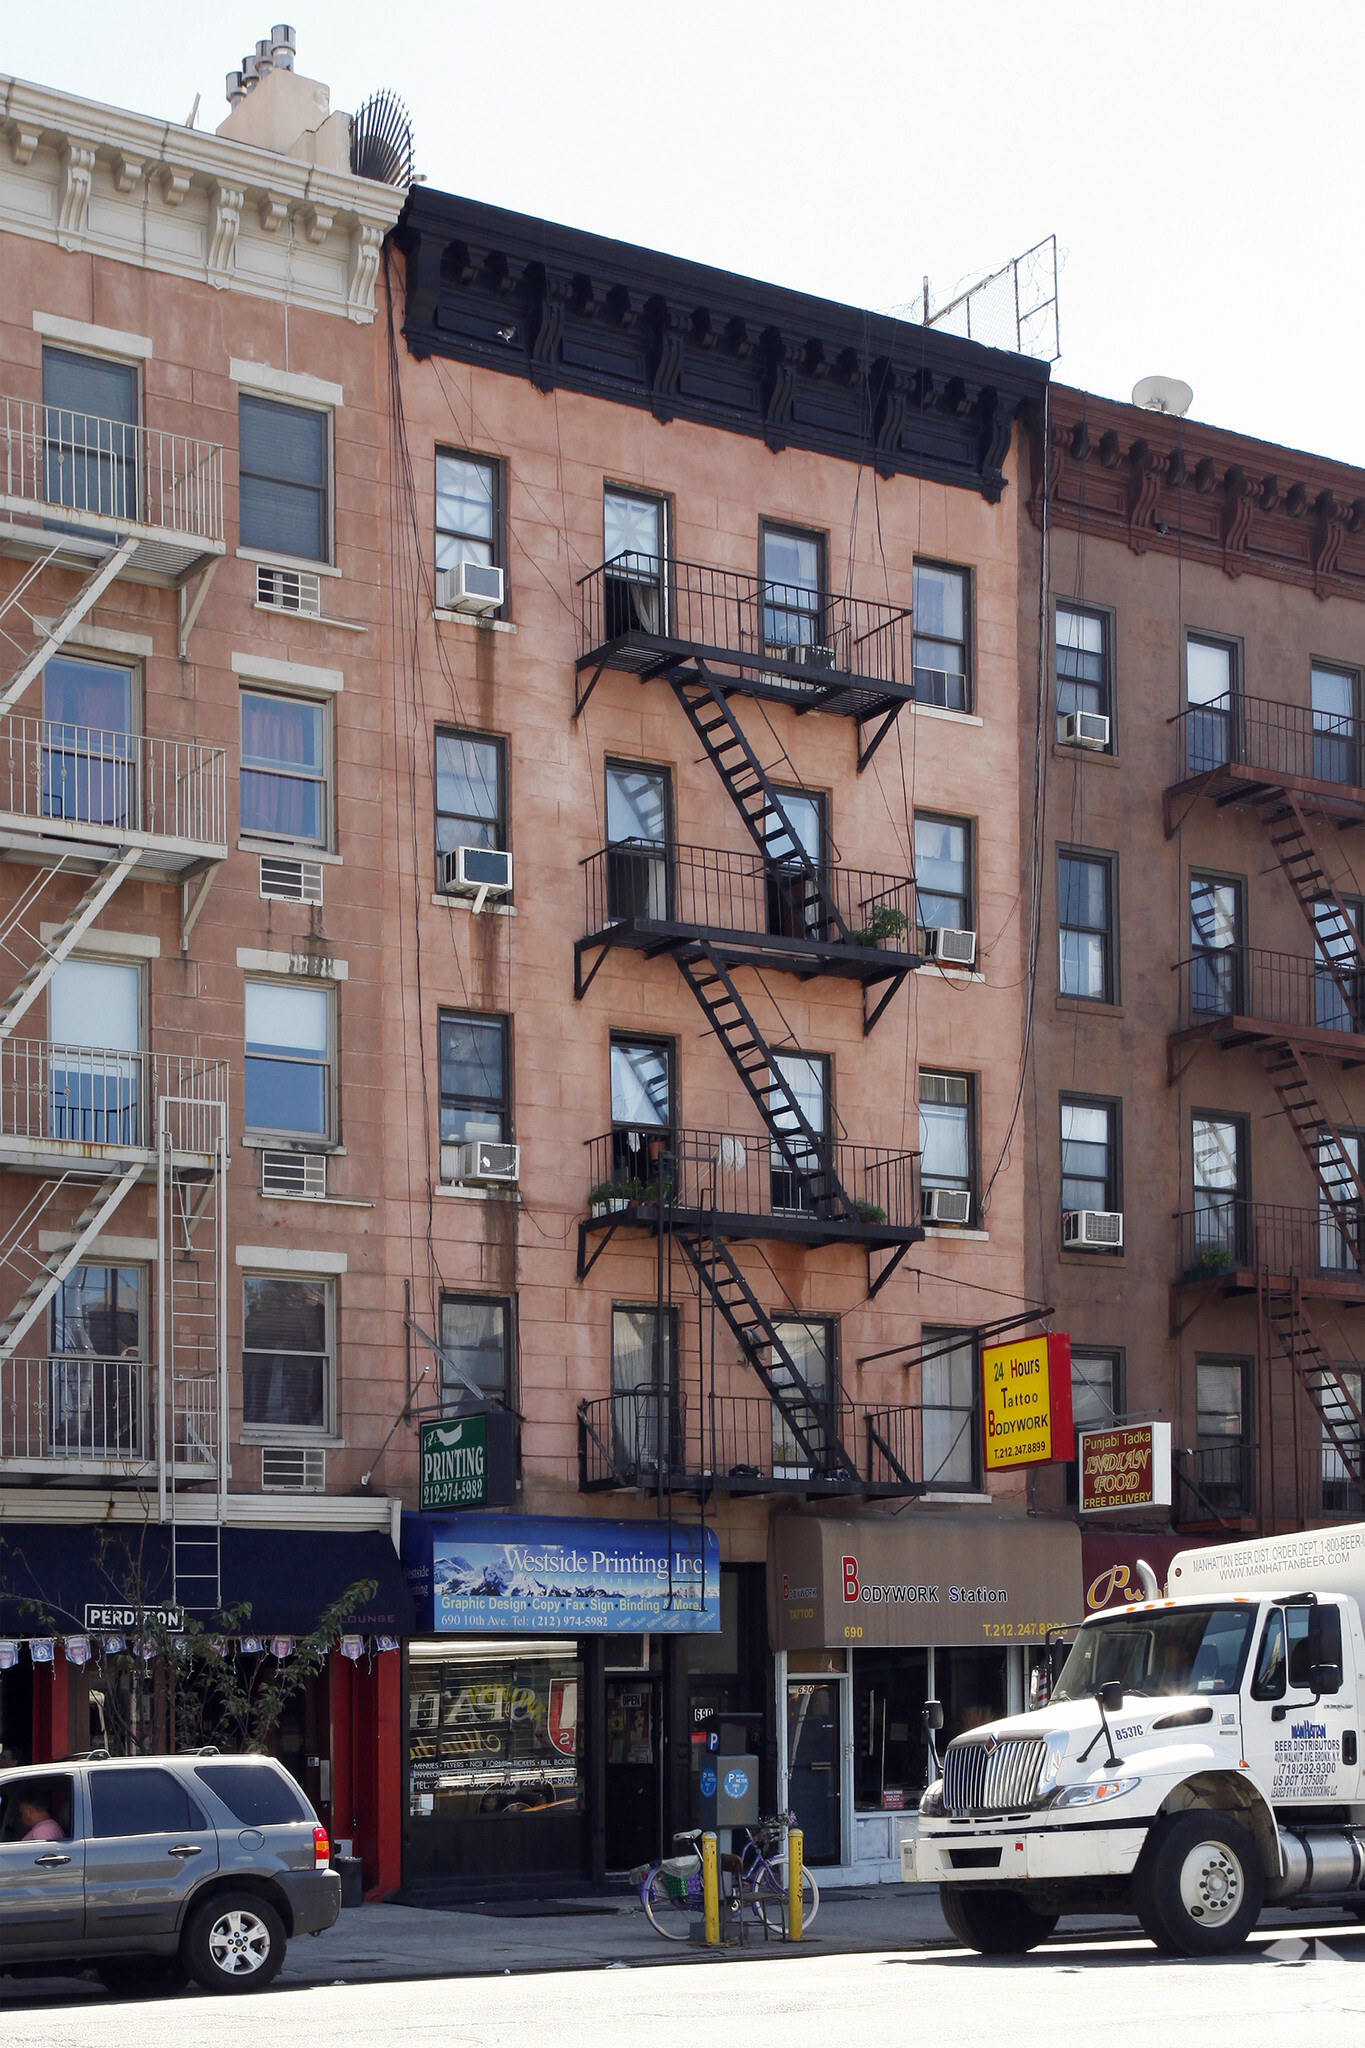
x,y
633,551
1215,947
89,752
1336,748
795,907
1218,1232
632,1768
1339,1238
1210,679
93,1046
807,1077
813,1765
1336,954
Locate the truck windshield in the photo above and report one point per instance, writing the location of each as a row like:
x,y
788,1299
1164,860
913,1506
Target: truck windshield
x,y
1184,1650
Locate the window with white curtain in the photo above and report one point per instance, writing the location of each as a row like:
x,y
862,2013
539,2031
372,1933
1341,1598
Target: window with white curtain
x,y
948,1378
476,1340
94,1034
286,764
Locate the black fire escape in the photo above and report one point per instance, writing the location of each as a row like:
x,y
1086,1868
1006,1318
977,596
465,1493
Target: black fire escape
x,y
713,636
1301,774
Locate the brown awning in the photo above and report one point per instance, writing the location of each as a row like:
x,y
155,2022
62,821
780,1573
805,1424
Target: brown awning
x,y
891,1582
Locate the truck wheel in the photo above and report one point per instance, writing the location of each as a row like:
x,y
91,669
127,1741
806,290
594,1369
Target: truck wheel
x,y
234,1942
994,1923
1199,1888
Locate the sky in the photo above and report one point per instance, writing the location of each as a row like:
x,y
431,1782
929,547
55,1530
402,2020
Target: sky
x,y
1195,161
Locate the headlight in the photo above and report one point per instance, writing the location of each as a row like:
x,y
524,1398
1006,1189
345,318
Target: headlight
x,y
931,1804
1092,1795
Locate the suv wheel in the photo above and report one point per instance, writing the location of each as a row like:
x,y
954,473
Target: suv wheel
x,y
234,1942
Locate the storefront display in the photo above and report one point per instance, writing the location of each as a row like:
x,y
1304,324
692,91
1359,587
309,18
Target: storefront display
x,y
477,1574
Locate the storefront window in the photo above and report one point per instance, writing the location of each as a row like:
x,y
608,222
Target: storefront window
x,y
889,1691
495,1733
972,1686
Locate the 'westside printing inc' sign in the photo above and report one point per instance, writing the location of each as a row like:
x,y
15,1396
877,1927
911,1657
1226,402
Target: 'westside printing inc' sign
x,y
1026,1402
529,1574
1125,1468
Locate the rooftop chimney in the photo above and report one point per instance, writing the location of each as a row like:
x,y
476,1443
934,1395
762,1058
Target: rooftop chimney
x,y
274,107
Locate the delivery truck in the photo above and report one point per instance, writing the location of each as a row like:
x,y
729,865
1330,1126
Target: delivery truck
x,y
1197,1758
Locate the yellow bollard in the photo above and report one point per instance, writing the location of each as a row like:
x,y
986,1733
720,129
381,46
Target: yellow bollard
x,y
710,1892
794,1873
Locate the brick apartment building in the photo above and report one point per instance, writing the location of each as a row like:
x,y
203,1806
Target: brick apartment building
x,y
1198,1030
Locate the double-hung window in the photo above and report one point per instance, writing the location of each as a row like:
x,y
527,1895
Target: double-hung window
x,y
949,1377
288,1349
946,1141
1096,1401
793,573
286,752
1336,724
1222,1436
1218,1167
90,422
1081,654
1089,1156
96,1394
639,812
641,1110
476,1349
288,1083
475,1079
1085,891
471,792
1216,957
89,746
942,636
469,516
1342,1493
943,875
1210,704
635,550
94,1064
808,1394
284,466
644,1355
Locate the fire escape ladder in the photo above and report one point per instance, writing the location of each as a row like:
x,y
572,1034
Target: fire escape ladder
x,y
1338,944
807,1416
806,1151
1330,1394
754,797
67,935
70,1246
1322,1144
93,588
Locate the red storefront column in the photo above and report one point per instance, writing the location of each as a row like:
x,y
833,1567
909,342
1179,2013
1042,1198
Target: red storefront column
x,y
51,1710
378,1772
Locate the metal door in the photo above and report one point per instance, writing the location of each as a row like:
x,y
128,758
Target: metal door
x,y
815,1765
150,1845
42,1879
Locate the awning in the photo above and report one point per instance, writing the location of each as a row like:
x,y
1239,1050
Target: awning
x,y
901,1581
64,1578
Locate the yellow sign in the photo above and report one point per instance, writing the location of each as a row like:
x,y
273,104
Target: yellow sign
x,y
1026,1402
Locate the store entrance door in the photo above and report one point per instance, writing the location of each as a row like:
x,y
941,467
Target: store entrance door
x,y
813,1765
632,1770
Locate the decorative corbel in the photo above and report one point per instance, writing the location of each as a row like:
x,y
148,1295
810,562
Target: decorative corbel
x,y
317,221
1146,466
175,183
1111,450
73,198
672,325
554,295
1269,496
1239,496
1328,527
783,356
890,396
225,220
23,141
273,212
1296,500
367,242
1206,476
994,442
129,171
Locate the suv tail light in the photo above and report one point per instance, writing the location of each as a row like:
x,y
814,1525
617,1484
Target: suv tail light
x,y
322,1849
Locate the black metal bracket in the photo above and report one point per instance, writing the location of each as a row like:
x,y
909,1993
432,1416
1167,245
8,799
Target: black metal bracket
x,y
871,1017
865,753
584,1233
581,696
583,982
876,1284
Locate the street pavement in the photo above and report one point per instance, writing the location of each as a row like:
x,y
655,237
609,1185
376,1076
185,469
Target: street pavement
x,y
1283,1990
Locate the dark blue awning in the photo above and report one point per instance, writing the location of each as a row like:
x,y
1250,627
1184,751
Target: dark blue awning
x,y
289,1576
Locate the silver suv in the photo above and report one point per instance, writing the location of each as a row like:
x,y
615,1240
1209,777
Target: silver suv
x,y
152,1870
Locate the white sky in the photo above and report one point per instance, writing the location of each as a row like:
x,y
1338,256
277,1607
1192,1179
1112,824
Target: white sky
x,y
1196,161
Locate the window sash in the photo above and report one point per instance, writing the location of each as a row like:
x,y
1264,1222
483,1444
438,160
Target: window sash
x,y
283,478
466,510
469,792
287,1354
476,1334
942,873
474,1077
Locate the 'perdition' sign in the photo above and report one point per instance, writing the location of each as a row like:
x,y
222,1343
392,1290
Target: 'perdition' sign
x,y
1125,1468
455,1463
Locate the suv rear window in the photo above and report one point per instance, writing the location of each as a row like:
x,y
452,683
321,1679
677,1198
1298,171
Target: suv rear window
x,y
141,1802
258,1795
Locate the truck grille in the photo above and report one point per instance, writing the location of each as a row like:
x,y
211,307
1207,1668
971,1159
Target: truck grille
x,y
981,1778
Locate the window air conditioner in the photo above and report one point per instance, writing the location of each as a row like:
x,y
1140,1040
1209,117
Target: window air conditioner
x,y
302,1175
1083,729
289,590
946,1205
949,947
290,881
476,871
1092,1230
471,587
482,1163
293,1471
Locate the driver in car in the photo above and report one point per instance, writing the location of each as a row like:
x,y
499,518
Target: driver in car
x,y
35,1814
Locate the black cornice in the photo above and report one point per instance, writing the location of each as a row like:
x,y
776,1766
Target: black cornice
x,y
578,312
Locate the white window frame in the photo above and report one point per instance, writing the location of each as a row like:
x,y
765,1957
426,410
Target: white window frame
x,y
283,1433
295,401
264,687
300,1141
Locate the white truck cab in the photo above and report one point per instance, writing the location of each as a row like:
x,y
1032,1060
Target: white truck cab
x,y
1199,1755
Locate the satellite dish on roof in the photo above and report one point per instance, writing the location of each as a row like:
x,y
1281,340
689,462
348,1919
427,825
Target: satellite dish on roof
x,y
1163,394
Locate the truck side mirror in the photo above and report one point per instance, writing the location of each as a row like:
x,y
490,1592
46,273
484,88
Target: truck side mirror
x,y
1110,1696
931,1718
1324,1678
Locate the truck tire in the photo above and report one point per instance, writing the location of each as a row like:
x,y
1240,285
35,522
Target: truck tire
x,y
994,1923
234,1942
1198,1888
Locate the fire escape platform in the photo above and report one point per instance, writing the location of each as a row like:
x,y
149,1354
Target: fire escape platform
x,y
167,857
1238,783
1233,1031
63,1155
774,678
789,1226
808,958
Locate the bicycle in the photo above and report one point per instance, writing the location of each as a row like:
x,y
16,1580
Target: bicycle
x,y
671,1890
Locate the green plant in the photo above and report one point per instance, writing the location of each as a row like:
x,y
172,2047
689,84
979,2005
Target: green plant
x,y
884,922
627,1191
1214,1259
869,1212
